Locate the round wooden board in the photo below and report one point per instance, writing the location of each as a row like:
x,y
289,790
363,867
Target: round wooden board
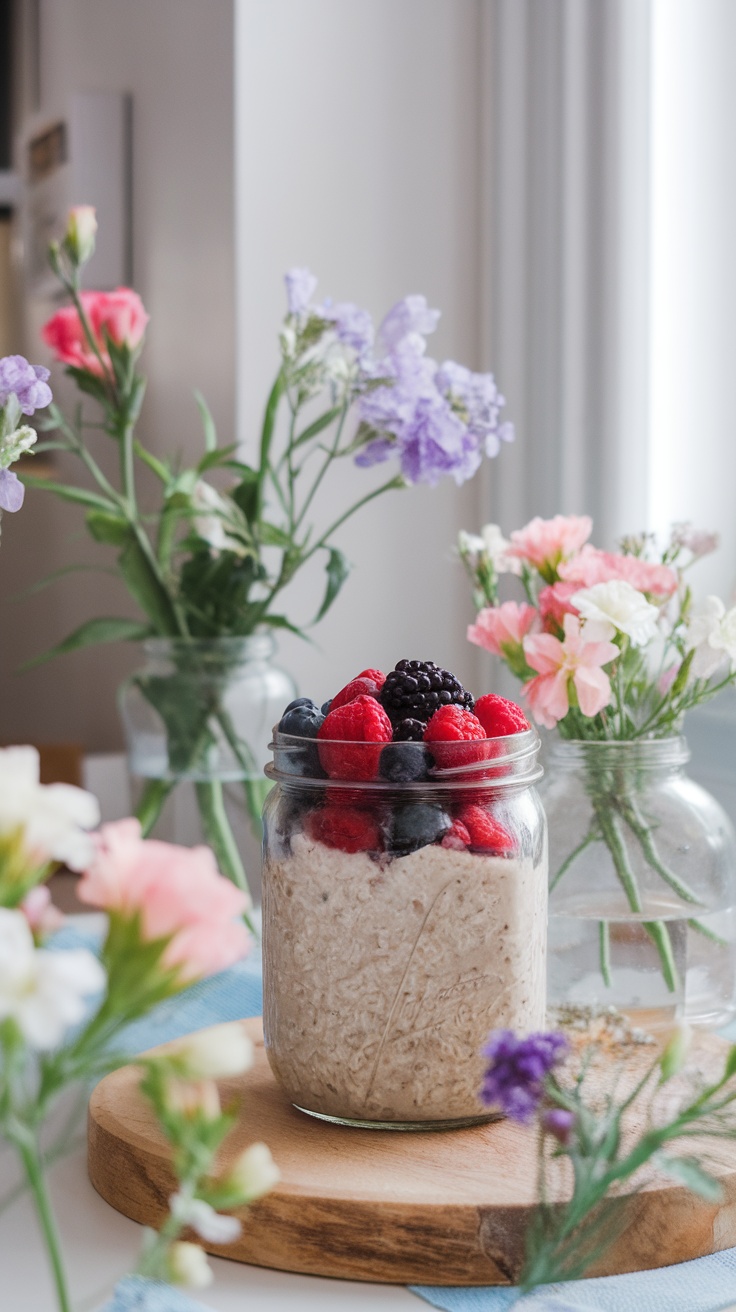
x,y
439,1208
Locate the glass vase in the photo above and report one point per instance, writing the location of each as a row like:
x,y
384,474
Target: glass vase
x,y
642,884
200,711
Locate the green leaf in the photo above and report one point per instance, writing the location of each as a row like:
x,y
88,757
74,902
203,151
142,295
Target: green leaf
x,y
271,536
688,1171
208,423
145,587
318,426
269,421
682,676
92,632
730,1067
112,529
281,622
80,495
161,470
337,572
246,494
214,458
88,383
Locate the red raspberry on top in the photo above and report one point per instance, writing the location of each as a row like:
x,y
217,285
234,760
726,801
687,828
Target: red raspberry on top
x,y
378,677
347,828
360,686
350,739
499,716
485,831
448,728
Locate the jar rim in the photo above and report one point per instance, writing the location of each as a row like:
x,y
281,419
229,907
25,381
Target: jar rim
x,y
671,750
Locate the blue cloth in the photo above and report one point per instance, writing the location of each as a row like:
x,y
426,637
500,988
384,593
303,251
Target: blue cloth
x,y
704,1285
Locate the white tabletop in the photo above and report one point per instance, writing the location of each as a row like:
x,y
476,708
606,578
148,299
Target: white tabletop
x,y
100,1245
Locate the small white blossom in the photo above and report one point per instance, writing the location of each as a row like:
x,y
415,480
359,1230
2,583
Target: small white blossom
x,y
711,633
209,1224
697,541
497,547
52,816
213,1054
43,992
621,605
217,519
188,1266
254,1173
15,444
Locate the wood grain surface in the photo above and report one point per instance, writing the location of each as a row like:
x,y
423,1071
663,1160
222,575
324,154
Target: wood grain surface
x,y
440,1208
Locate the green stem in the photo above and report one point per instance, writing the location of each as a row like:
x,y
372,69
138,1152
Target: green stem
x,y
329,457
638,825
154,795
218,832
395,482
28,1149
604,950
592,836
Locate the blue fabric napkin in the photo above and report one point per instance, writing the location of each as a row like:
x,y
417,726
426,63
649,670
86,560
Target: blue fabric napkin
x,y
707,1284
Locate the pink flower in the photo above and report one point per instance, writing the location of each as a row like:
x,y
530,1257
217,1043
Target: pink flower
x,y
554,603
593,566
500,628
546,542
120,315
42,916
178,893
578,659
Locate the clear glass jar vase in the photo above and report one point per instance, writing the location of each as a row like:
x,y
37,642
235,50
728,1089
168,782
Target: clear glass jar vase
x,y
393,943
201,710
642,884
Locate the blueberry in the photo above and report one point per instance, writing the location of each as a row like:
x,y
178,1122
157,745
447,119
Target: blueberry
x,y
416,825
299,701
302,720
326,706
404,762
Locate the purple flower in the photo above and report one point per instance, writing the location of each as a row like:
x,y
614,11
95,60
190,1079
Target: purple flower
x,y
559,1123
478,401
353,326
26,381
514,1077
435,442
300,287
410,315
12,490
411,379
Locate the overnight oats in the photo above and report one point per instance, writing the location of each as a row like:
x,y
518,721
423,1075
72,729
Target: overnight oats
x,y
404,897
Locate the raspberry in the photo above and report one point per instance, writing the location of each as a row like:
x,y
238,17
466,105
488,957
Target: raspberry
x,y
378,676
347,828
359,687
363,726
415,689
484,830
452,733
457,838
500,716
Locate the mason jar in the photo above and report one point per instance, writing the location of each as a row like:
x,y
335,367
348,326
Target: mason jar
x,y
642,884
404,918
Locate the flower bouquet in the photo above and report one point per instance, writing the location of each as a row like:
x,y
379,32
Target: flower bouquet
x,y
612,653
212,561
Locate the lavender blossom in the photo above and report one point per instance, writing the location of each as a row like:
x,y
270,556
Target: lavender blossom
x,y
12,491
514,1077
353,326
26,381
477,400
559,1123
435,443
300,287
410,315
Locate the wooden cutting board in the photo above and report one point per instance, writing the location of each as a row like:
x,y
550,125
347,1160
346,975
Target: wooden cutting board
x,y
440,1208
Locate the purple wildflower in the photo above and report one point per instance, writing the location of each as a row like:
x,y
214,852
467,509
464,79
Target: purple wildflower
x,y
410,315
300,287
12,490
26,381
353,326
514,1077
435,442
559,1123
478,401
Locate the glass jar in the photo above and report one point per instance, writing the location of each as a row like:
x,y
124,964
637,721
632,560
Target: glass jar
x,y
394,939
642,884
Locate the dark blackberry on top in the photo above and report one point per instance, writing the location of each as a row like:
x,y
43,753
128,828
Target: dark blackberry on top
x,y
416,689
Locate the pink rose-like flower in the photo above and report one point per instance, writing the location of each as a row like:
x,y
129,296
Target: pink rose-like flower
x,y
178,893
119,314
546,542
555,604
500,629
577,658
593,566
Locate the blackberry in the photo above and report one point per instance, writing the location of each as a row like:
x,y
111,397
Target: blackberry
x,y
416,689
409,731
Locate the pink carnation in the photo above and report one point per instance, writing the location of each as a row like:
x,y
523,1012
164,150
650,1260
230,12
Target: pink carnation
x,y
593,566
554,603
178,893
120,315
545,542
575,659
499,627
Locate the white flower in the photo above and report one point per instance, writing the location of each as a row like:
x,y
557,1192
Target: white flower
x,y
203,1218
491,543
52,816
190,1098
218,519
617,603
188,1265
213,1054
711,632
253,1173
13,446
43,992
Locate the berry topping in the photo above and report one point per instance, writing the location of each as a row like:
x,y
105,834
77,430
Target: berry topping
x,y
359,687
453,732
403,763
416,825
352,736
499,716
298,701
415,689
301,719
325,707
457,838
409,731
347,828
378,676
485,831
